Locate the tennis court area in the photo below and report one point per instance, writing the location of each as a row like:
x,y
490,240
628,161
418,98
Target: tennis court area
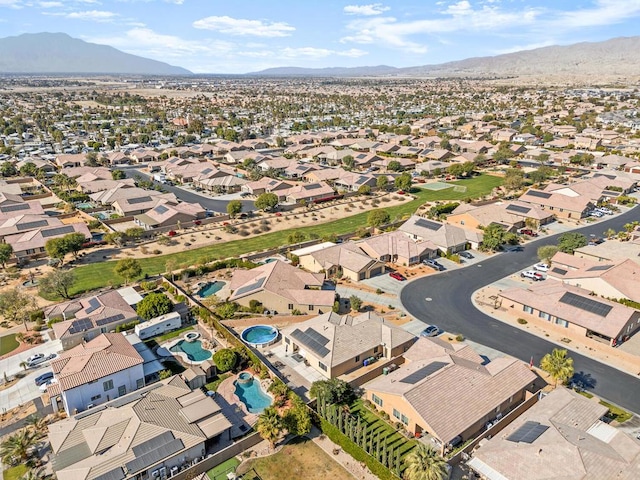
x,y
434,186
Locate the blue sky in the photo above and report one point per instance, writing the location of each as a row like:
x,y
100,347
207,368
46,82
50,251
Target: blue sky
x,y
227,36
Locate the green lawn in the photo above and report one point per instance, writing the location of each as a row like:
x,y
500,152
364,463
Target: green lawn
x,y
220,472
8,343
168,336
299,459
213,386
15,473
387,431
616,413
98,275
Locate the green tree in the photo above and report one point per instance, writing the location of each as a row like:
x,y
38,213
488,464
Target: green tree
x,y
225,359
8,169
378,217
6,250
165,374
234,207
468,168
153,305
424,463
73,243
266,201
356,302
297,419
493,236
16,306
29,169
558,365
403,182
382,182
114,238
118,174
18,447
394,166
134,233
269,426
364,189
456,170
56,284
513,179
568,242
296,237
332,391
36,424
56,248
128,268
227,310
546,253
348,162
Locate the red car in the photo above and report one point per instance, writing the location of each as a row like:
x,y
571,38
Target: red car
x,y
172,233
400,192
527,231
397,276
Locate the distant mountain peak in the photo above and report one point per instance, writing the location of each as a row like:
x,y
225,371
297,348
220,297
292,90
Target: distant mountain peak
x,y
61,53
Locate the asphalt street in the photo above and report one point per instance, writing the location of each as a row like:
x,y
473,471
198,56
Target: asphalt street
x,y
213,204
450,307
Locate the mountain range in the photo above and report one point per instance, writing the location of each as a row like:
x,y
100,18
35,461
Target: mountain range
x,y
60,53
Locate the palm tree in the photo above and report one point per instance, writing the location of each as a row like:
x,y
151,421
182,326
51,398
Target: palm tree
x,y
36,423
269,426
424,463
558,365
35,474
17,446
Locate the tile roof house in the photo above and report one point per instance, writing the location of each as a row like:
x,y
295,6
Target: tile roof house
x,y
10,210
335,344
448,391
265,185
560,437
86,318
97,371
166,214
30,244
573,310
158,429
619,279
511,215
448,238
564,203
109,197
611,251
352,181
89,183
396,247
307,192
18,222
344,259
281,287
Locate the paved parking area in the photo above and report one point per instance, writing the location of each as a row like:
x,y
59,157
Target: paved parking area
x,y
11,365
23,391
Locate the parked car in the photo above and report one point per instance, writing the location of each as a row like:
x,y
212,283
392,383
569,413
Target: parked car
x,y
43,387
397,276
596,213
604,210
465,254
430,331
36,359
433,264
45,377
512,248
529,232
541,267
532,275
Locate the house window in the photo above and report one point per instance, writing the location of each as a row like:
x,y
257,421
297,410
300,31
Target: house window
x,y
322,366
527,309
544,315
376,399
122,390
95,397
30,251
404,419
311,308
287,340
291,306
561,322
108,385
357,358
140,383
396,414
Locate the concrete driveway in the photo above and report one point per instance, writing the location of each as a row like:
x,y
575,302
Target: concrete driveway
x,y
23,391
11,365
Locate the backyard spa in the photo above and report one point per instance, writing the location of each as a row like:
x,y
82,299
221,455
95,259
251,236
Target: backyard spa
x,y
191,348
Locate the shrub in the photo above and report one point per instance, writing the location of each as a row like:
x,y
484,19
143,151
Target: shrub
x,y
225,359
459,337
522,321
127,326
37,315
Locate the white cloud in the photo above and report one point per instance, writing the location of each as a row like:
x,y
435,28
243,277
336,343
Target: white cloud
x,y
50,4
312,52
240,26
530,46
10,3
604,12
93,15
366,10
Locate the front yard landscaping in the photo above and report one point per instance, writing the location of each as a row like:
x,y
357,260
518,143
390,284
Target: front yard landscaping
x,y
8,343
300,458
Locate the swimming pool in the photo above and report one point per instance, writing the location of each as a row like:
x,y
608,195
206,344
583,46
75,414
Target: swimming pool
x,y
259,335
193,350
210,288
250,393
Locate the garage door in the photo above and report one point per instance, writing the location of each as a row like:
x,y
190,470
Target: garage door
x,y
376,271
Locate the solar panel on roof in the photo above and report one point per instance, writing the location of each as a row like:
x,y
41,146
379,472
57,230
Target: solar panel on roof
x,y
316,336
15,208
94,304
610,177
518,209
152,444
539,194
528,432
599,268
586,304
609,193
115,474
310,343
134,201
111,319
58,231
32,225
559,271
428,224
154,456
313,186
254,286
161,209
80,325
423,372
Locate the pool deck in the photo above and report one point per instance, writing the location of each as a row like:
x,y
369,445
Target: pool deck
x,y
227,390
164,350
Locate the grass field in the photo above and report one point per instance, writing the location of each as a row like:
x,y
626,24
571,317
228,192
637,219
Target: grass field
x,y
98,275
299,459
15,473
220,472
8,343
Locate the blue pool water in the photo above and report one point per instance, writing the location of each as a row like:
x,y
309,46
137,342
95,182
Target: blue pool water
x,y
250,393
210,288
193,350
259,334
